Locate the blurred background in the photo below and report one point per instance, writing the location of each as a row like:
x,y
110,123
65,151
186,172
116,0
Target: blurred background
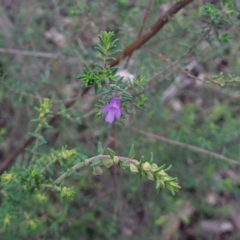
x,y
45,44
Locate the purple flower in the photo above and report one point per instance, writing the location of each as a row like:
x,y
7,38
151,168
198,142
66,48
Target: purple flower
x,y
113,110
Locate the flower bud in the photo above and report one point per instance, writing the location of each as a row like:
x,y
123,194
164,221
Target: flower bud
x,y
133,168
146,166
116,160
108,162
97,171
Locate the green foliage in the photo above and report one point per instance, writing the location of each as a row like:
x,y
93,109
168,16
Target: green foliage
x,y
107,83
106,46
156,173
39,177
222,80
71,180
226,13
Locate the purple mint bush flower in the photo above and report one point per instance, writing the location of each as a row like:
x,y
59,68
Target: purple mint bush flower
x,y
113,110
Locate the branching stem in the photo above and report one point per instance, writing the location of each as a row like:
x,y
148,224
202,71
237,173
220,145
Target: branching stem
x,y
90,160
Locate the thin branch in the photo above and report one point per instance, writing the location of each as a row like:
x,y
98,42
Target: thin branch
x,y
184,145
30,53
29,95
146,13
171,65
90,160
159,24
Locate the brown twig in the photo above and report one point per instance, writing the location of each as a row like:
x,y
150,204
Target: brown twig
x,y
159,24
29,95
30,53
171,66
184,145
146,13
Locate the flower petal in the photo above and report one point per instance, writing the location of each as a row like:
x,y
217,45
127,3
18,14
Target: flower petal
x,y
117,113
110,116
113,110
106,108
116,102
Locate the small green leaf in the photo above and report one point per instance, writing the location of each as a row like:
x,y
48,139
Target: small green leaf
x,y
124,165
171,190
95,163
32,134
99,148
159,168
111,153
151,160
131,153
42,140
35,120
170,166
158,184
